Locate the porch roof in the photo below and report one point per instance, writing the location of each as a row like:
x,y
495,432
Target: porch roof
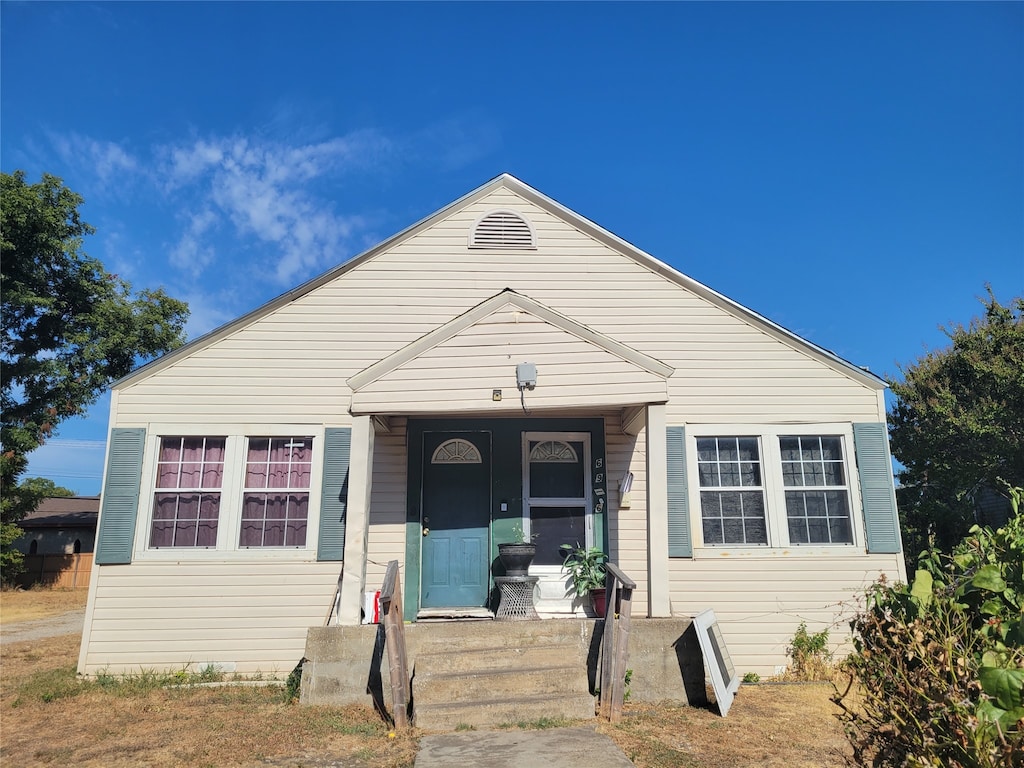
x,y
459,366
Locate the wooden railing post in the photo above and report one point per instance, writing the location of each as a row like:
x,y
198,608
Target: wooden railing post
x,y
394,641
615,642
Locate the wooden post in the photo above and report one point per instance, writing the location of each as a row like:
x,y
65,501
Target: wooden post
x,y
608,647
394,641
622,625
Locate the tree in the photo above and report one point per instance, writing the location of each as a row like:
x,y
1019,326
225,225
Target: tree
x,y
69,329
957,425
45,488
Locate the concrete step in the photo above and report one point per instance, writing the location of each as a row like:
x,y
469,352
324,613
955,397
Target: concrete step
x,y
489,713
500,684
523,673
476,659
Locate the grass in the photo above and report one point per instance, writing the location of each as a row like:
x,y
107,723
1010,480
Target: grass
x,y
51,717
39,603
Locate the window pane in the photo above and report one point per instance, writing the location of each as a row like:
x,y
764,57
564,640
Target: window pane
x,y
553,526
831,449
706,449
790,447
188,518
819,517
558,479
834,473
708,475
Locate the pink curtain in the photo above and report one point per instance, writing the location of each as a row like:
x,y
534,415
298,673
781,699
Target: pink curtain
x,y
188,518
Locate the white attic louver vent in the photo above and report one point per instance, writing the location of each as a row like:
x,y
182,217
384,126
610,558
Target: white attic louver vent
x,y
502,229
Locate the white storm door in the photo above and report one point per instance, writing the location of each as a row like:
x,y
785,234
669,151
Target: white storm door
x,y
558,510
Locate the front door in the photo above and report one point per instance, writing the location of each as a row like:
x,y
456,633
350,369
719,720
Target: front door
x,y
456,519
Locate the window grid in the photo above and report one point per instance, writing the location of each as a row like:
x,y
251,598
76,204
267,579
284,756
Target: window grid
x,y
186,505
820,512
275,501
734,512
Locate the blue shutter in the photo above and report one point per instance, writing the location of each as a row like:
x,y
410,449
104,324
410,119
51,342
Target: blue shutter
x,y
334,499
120,506
679,541
877,491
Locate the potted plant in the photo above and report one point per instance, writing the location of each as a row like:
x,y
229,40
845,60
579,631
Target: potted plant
x,y
585,565
516,555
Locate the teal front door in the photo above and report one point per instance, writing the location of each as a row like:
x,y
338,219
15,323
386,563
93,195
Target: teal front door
x,y
456,519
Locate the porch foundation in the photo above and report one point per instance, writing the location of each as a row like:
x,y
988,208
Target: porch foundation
x,y
347,664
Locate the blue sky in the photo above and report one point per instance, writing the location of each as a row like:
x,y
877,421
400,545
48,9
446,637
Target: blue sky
x,y
852,171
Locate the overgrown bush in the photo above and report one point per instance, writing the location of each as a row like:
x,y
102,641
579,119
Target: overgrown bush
x,y
938,670
810,655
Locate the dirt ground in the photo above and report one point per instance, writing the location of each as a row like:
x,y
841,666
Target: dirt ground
x,y
48,717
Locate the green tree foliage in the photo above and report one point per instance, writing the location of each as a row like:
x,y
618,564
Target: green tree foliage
x,y
45,488
957,425
939,666
69,329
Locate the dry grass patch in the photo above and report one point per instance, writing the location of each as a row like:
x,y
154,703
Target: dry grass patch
x,y
788,726
40,603
50,717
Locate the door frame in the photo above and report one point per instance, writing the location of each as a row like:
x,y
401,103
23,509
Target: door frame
x,y
506,480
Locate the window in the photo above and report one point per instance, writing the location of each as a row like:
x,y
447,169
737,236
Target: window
x,y
186,505
275,502
732,493
557,486
818,513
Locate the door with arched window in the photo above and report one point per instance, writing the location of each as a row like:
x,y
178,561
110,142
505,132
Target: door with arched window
x,y
456,509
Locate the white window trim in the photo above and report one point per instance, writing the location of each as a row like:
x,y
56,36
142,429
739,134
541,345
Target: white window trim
x,y
776,521
230,522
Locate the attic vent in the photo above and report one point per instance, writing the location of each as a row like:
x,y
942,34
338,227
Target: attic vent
x,y
502,229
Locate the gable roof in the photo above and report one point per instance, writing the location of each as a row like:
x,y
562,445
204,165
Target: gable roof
x,y
473,356
600,234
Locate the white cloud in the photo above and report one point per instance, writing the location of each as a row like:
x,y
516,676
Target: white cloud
x,y
109,161
264,189
192,254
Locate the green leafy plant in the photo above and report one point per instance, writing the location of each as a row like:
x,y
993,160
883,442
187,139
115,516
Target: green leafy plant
x,y
751,677
939,664
586,567
810,655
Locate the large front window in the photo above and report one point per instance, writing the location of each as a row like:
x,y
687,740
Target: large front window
x,y
186,506
275,503
818,506
731,490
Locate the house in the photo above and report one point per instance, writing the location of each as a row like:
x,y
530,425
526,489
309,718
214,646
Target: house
x,y
502,363
58,541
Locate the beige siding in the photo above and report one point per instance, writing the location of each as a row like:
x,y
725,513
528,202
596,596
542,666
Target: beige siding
x,y
726,369
628,527
760,601
166,615
386,539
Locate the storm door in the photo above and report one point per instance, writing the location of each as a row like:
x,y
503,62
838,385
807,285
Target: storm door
x,y
456,519
557,492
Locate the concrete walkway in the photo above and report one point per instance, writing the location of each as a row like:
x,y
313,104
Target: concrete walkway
x,y
579,747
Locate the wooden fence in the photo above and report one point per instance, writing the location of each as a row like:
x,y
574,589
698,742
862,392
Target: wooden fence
x,y
64,571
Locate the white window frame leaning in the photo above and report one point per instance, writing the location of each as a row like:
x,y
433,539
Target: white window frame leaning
x,y
232,492
779,544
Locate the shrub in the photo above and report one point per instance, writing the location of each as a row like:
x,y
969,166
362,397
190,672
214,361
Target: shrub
x,y
939,666
811,657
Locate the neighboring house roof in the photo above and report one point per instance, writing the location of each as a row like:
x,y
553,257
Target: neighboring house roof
x,y
586,226
64,512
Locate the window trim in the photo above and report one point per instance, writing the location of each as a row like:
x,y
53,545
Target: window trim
x,y
776,516
232,492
